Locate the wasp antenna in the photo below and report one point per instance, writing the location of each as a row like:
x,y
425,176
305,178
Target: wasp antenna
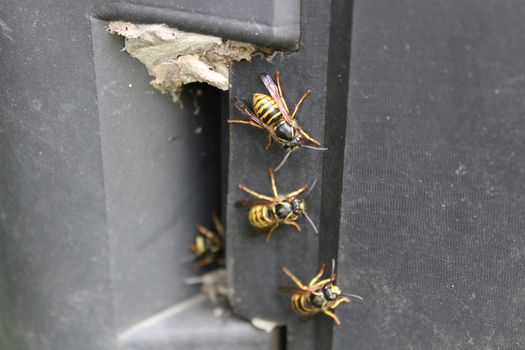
x,y
283,161
333,269
353,296
316,148
310,221
311,187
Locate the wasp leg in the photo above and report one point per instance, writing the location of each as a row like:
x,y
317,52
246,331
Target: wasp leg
x,y
206,232
309,138
206,261
270,232
270,139
217,223
274,186
234,121
255,194
316,278
278,79
294,224
333,316
341,300
320,283
296,192
305,95
295,279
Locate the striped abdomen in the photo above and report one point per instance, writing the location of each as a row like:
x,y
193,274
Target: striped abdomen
x,y
261,216
302,305
266,109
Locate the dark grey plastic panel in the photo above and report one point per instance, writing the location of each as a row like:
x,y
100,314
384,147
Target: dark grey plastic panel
x,y
189,325
432,226
255,266
54,244
161,178
272,23
420,196
103,180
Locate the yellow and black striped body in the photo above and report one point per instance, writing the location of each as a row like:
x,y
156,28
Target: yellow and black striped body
x,y
208,246
265,216
323,298
262,217
266,109
268,112
303,306
318,296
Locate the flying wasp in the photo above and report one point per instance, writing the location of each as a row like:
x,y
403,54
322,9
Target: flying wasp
x,y
208,247
267,213
320,295
272,114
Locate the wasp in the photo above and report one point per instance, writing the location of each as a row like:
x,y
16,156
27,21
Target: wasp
x,y
320,295
267,213
208,247
270,112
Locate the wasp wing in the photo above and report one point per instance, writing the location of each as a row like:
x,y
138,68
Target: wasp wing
x,y
292,290
250,202
241,106
274,92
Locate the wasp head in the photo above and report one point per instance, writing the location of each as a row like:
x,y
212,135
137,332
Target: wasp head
x,y
297,206
295,143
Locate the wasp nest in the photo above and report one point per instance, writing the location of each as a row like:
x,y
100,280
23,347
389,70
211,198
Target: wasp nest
x,y
176,58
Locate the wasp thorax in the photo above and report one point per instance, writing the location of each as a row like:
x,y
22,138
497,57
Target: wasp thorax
x,y
285,132
286,208
288,136
331,292
317,300
283,209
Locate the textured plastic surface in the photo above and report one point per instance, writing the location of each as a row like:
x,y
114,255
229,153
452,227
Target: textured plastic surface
x,y
254,265
272,23
54,250
103,181
421,189
422,184
161,177
188,325
432,227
